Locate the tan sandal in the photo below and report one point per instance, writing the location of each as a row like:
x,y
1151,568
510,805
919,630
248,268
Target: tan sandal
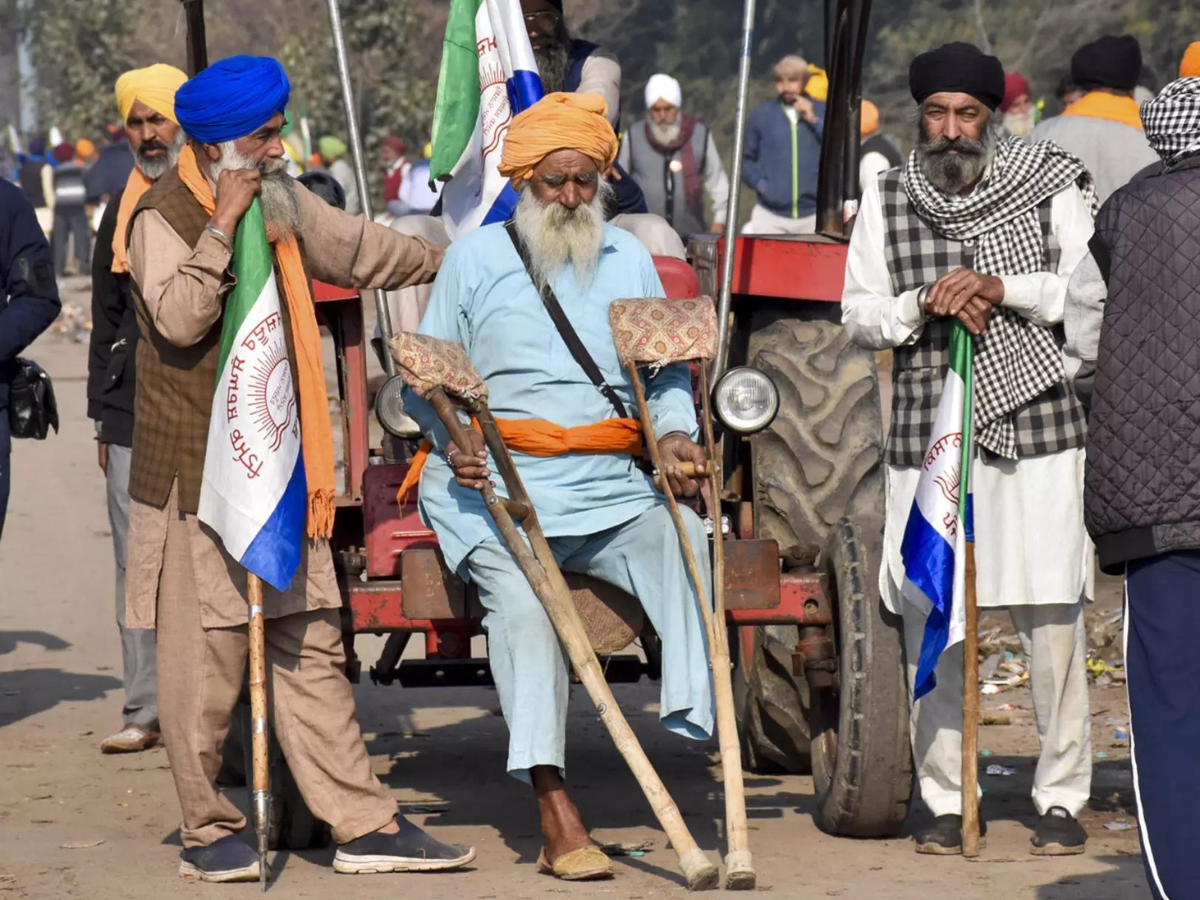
x,y
130,739
585,864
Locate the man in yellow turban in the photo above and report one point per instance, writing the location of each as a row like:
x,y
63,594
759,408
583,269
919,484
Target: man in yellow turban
x,y
601,513
146,102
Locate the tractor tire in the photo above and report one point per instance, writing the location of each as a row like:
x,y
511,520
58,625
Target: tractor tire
x,y
820,460
861,755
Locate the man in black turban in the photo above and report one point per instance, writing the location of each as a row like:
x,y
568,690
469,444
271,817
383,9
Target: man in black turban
x,y
1103,128
938,247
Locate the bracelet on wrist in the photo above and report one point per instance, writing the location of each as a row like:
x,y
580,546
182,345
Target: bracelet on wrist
x,y
219,233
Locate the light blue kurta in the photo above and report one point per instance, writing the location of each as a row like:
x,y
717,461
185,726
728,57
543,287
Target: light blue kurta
x,y
600,513
484,300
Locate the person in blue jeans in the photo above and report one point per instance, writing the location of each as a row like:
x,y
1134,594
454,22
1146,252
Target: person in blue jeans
x,y
29,303
1132,323
782,156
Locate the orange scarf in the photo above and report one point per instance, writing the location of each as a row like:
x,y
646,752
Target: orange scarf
x,y
1102,105
537,437
135,189
316,432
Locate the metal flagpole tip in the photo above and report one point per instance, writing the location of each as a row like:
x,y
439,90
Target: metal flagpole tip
x,y
262,829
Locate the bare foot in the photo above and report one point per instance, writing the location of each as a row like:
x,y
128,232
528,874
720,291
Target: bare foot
x,y
561,822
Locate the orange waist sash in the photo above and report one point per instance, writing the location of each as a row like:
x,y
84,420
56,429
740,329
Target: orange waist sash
x,y
537,437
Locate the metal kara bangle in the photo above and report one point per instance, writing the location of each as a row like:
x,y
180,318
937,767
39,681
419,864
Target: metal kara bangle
x,y
219,233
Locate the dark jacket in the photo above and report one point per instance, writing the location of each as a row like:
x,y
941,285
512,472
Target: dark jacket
x,y
111,374
781,162
1142,487
108,176
29,301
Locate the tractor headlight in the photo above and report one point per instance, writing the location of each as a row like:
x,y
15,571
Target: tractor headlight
x,y
745,400
389,408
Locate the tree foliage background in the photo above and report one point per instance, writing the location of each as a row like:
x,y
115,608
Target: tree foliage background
x,y
80,46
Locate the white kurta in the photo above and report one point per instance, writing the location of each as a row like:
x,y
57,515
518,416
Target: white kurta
x,y
1031,546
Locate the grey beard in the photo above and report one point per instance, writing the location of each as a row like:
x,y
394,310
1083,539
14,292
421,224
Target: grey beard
x,y
953,174
557,237
281,209
553,62
665,132
155,169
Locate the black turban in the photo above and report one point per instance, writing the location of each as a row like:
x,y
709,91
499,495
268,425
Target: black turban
x,y
957,68
1110,62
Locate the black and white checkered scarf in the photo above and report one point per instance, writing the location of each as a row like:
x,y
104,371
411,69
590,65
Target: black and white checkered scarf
x,y
1172,119
1015,360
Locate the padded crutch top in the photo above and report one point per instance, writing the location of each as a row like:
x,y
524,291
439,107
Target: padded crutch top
x,y
654,331
426,363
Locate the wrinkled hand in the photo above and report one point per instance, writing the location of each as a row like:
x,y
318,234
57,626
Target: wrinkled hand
x,y
470,465
804,106
717,228
236,190
676,449
968,296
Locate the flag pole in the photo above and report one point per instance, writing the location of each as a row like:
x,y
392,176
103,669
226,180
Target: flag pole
x,y
258,724
970,713
970,720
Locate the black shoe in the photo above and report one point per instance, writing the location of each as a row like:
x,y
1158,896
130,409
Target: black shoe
x,y
943,836
228,859
409,850
1058,833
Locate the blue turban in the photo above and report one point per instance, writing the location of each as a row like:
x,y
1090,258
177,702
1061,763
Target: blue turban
x,y
232,98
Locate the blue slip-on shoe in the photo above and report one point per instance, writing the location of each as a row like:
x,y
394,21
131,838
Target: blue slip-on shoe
x,y
409,850
224,860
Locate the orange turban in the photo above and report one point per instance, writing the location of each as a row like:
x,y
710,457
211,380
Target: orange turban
x,y
869,117
558,122
1190,67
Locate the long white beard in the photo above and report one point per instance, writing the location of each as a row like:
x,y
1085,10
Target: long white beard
x,y
281,210
557,236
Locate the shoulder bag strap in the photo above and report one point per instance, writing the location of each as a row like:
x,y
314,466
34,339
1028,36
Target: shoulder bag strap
x,y
578,351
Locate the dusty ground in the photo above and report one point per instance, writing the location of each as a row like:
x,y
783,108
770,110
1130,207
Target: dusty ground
x,y
74,823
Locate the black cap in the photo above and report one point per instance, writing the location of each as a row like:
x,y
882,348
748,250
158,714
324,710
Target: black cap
x,y
1113,61
957,68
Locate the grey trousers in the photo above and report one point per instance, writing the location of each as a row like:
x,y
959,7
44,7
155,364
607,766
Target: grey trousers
x,y
1055,642
137,644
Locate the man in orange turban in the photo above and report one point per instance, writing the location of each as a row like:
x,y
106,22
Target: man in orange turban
x,y
601,513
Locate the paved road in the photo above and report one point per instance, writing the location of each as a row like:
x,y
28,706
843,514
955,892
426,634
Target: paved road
x,y
441,751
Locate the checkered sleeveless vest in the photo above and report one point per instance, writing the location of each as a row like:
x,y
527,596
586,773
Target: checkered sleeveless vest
x,y
917,256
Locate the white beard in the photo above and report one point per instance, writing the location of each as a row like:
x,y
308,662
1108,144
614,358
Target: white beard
x,y
557,237
1020,124
281,210
665,132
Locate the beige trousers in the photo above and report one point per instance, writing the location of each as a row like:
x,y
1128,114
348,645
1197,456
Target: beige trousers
x,y
1054,641
200,674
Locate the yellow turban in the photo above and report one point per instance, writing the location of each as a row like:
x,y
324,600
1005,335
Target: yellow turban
x,y
558,122
154,85
1190,67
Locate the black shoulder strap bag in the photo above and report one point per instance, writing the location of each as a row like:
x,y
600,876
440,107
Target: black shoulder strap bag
x,y
578,351
32,409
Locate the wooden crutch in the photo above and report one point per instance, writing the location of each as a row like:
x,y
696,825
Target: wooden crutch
x,y
656,331
261,796
437,370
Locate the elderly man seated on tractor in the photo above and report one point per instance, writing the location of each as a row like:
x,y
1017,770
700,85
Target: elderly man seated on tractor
x,y
599,510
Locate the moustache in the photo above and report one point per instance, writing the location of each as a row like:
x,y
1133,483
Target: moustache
x,y
964,146
151,145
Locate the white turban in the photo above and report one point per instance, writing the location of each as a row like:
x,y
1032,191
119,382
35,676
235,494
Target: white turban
x,y
663,87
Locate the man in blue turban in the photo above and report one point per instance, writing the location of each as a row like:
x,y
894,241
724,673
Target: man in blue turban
x,y
183,579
